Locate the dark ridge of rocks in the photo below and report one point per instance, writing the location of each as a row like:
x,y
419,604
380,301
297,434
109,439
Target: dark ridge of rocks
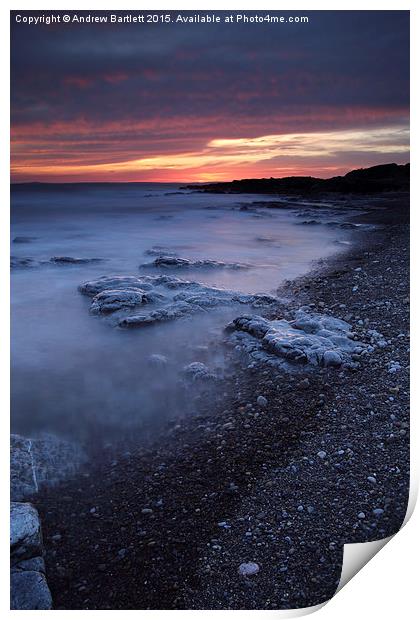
x,y
172,261
22,262
120,296
23,239
70,260
25,262
383,178
160,250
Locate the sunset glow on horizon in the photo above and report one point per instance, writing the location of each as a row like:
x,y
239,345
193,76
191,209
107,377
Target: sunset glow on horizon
x,y
207,104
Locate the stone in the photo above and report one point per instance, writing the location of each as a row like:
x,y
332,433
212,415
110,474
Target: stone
x,y
332,358
248,569
29,590
28,586
25,531
321,454
262,401
197,371
304,384
22,472
158,360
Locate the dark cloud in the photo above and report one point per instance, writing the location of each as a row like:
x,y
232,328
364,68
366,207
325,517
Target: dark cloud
x,y
164,83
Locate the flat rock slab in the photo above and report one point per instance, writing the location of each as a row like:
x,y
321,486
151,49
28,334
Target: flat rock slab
x,y
313,339
122,298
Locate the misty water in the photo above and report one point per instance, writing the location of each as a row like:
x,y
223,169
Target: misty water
x,y
75,375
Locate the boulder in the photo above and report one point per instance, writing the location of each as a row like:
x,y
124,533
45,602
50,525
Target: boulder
x,y
25,532
197,371
29,590
22,473
157,360
332,358
28,586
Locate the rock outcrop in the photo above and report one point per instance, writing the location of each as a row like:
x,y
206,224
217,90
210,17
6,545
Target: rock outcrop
x,y
28,585
22,262
172,261
41,461
309,339
383,178
23,239
70,260
33,463
174,298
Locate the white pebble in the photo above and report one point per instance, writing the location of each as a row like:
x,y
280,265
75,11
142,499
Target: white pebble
x,y
247,569
262,401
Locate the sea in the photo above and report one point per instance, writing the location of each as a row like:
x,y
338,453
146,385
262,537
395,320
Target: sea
x,y
77,376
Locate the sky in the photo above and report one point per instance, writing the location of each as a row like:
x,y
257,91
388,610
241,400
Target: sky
x,y
208,102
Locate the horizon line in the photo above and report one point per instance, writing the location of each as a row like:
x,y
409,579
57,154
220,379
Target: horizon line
x,y
12,183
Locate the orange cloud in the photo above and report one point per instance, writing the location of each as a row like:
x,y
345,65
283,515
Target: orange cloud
x,y
222,158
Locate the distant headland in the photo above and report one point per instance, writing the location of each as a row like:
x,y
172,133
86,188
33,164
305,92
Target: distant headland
x,y
383,178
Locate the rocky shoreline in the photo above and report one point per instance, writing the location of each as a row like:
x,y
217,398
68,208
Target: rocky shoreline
x,y
376,179
246,501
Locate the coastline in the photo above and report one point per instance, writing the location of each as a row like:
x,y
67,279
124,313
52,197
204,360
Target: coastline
x,y
167,525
